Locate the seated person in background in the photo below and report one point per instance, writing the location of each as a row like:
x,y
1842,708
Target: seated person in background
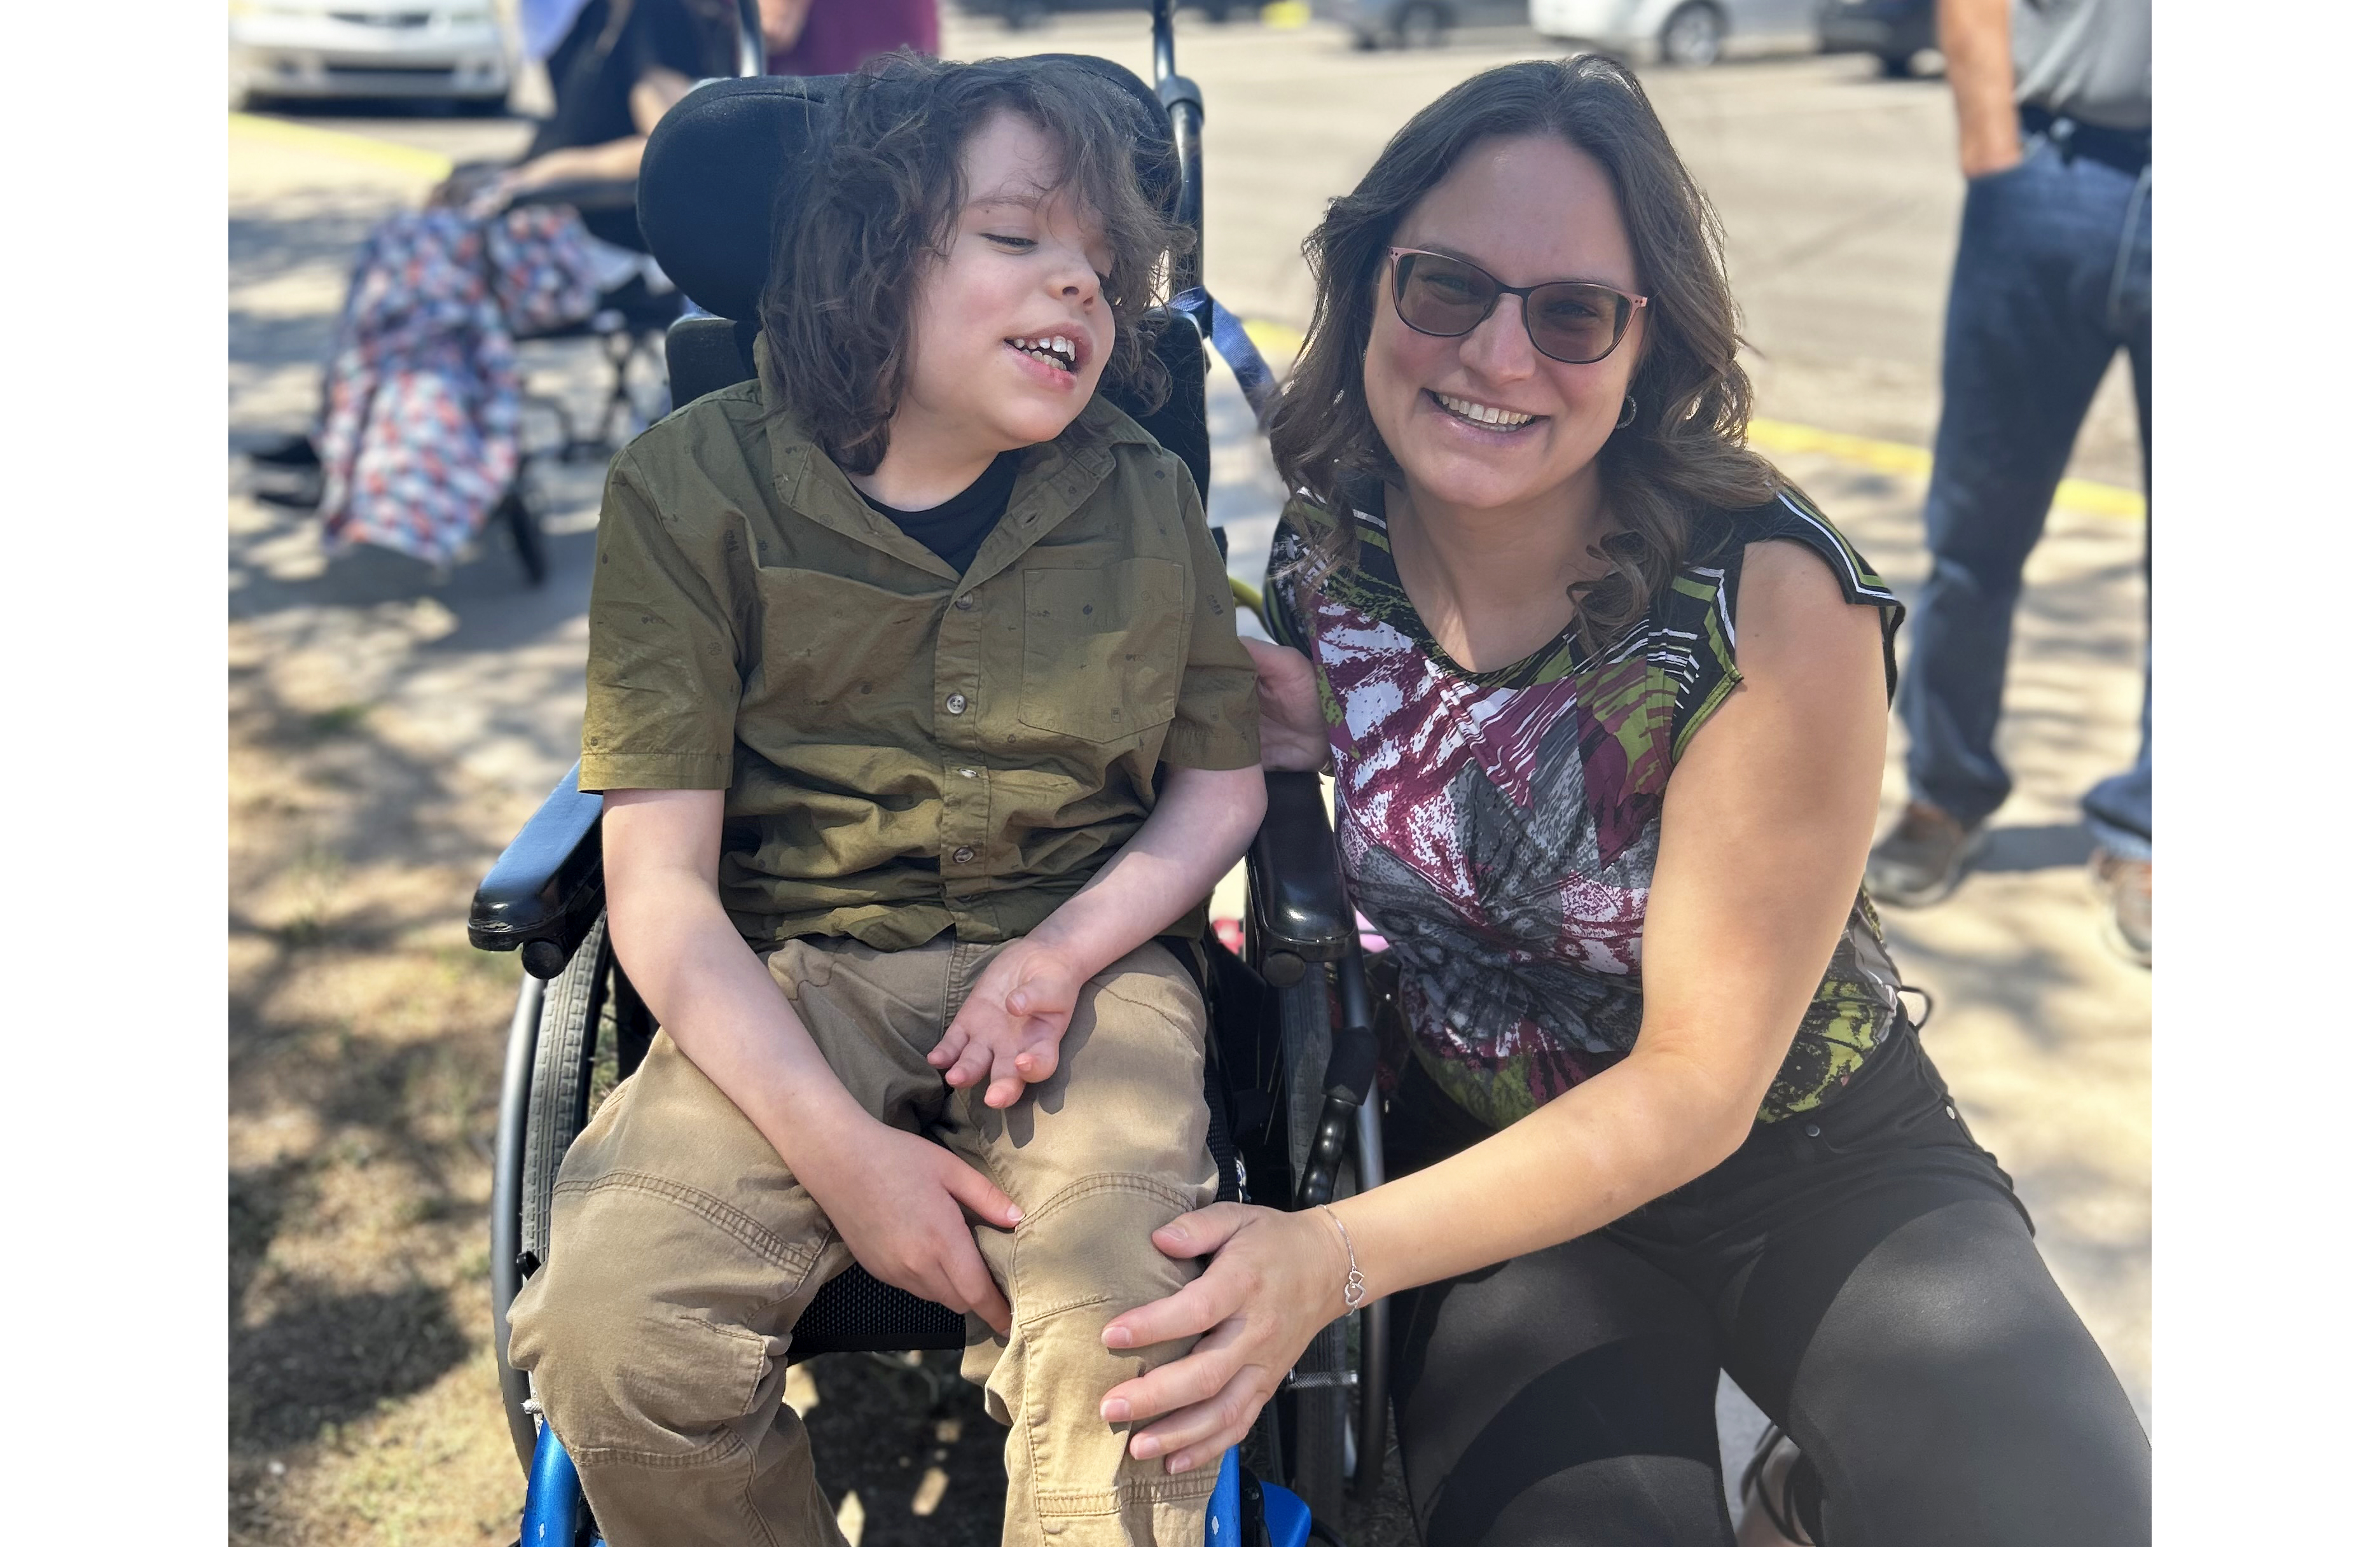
x,y
914,692
418,433
833,37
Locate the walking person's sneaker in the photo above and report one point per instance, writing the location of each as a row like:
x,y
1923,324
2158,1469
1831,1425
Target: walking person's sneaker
x,y
1927,853
2126,884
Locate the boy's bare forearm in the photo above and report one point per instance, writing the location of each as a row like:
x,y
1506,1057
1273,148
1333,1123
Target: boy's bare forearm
x,y
720,1007
1203,824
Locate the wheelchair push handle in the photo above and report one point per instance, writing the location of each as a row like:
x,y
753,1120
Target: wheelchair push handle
x,y
751,48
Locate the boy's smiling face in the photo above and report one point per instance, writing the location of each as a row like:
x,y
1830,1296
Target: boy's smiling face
x,y
1012,325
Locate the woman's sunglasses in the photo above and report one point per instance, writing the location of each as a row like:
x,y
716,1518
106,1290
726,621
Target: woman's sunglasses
x,y
1568,320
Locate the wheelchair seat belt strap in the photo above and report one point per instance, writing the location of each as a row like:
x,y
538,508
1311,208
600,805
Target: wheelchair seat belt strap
x,y
1231,339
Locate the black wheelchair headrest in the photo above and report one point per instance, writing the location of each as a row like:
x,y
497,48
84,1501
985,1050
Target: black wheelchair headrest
x,y
714,174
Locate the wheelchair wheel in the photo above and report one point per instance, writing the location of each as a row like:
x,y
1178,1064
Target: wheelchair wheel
x,y
1318,1419
573,1040
1317,1415
528,534
593,1034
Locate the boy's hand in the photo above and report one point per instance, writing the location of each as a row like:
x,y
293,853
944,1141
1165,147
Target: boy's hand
x,y
895,1199
1012,1023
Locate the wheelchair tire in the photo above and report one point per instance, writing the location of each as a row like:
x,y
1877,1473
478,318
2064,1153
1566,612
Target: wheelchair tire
x,y
574,1038
1317,1415
560,1081
1318,1418
592,1035
528,534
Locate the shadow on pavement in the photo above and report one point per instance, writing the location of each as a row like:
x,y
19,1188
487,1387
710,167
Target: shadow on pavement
x,y
2037,848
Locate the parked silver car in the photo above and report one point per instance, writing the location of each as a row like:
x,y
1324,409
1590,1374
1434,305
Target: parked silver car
x,y
1416,23
453,50
1689,32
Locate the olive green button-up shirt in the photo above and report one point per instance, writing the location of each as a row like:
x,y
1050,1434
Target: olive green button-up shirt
x,y
905,750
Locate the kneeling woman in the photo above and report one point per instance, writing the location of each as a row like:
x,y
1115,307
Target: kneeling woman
x,y
1605,697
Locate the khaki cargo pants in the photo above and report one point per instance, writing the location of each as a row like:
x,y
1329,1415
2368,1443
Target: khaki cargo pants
x,y
684,1252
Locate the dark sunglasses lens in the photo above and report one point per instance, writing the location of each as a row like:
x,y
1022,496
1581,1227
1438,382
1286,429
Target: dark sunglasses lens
x,y
1440,296
1579,323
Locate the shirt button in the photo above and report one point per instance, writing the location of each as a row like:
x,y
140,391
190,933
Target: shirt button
x,y
963,856
956,703
1812,1130
966,772
965,604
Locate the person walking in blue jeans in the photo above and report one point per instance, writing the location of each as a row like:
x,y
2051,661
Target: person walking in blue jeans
x,y
2052,278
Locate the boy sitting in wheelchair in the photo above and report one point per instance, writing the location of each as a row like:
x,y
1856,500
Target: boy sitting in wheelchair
x,y
887,651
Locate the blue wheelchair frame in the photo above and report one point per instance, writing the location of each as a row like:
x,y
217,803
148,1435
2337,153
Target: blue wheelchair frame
x,y
557,1508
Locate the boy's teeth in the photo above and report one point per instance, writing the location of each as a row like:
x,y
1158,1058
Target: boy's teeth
x,y
1059,349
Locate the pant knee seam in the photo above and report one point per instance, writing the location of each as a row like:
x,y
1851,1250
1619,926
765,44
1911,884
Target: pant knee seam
x,y
653,1461
763,1241
1174,1194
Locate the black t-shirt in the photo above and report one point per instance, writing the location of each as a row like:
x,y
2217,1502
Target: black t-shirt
x,y
607,51
957,528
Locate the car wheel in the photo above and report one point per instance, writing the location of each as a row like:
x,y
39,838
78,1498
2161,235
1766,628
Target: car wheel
x,y
1022,14
1421,25
1897,66
1692,36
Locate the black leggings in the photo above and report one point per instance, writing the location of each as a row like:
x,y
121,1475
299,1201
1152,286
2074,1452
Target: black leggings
x,y
1867,1275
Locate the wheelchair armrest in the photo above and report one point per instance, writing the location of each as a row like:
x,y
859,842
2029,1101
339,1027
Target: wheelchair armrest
x,y
546,888
1300,910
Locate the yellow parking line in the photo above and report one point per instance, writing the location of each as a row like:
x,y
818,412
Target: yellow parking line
x,y
2073,493
1281,343
427,165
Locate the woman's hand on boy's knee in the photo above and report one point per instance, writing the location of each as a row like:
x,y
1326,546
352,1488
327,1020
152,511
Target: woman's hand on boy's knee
x,y
897,1200
1275,1280
1012,1023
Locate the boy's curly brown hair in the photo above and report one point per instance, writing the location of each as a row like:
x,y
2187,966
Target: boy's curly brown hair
x,y
882,201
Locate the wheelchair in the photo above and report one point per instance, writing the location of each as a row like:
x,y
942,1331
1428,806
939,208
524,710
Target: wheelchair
x,y
630,322
1294,1117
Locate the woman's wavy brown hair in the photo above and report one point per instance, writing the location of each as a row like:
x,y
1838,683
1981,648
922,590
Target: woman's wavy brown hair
x,y
1682,454
883,197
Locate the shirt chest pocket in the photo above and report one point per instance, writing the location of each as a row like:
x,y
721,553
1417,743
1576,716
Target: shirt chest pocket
x,y
839,657
1102,648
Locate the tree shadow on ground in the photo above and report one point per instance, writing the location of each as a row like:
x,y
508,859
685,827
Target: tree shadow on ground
x,y
329,1359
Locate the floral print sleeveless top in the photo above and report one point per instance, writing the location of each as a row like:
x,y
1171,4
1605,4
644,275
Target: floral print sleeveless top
x,y
1499,828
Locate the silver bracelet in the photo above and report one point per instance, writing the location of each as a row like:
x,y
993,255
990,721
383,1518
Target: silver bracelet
x,y
1354,1290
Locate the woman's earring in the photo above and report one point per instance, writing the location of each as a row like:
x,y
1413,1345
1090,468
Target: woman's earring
x,y
1627,412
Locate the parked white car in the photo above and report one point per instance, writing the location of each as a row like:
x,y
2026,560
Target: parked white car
x,y
1689,32
1415,23
451,50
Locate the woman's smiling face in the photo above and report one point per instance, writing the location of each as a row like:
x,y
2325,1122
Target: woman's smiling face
x,y
1530,210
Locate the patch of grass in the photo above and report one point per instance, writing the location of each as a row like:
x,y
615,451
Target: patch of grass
x,y
345,720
